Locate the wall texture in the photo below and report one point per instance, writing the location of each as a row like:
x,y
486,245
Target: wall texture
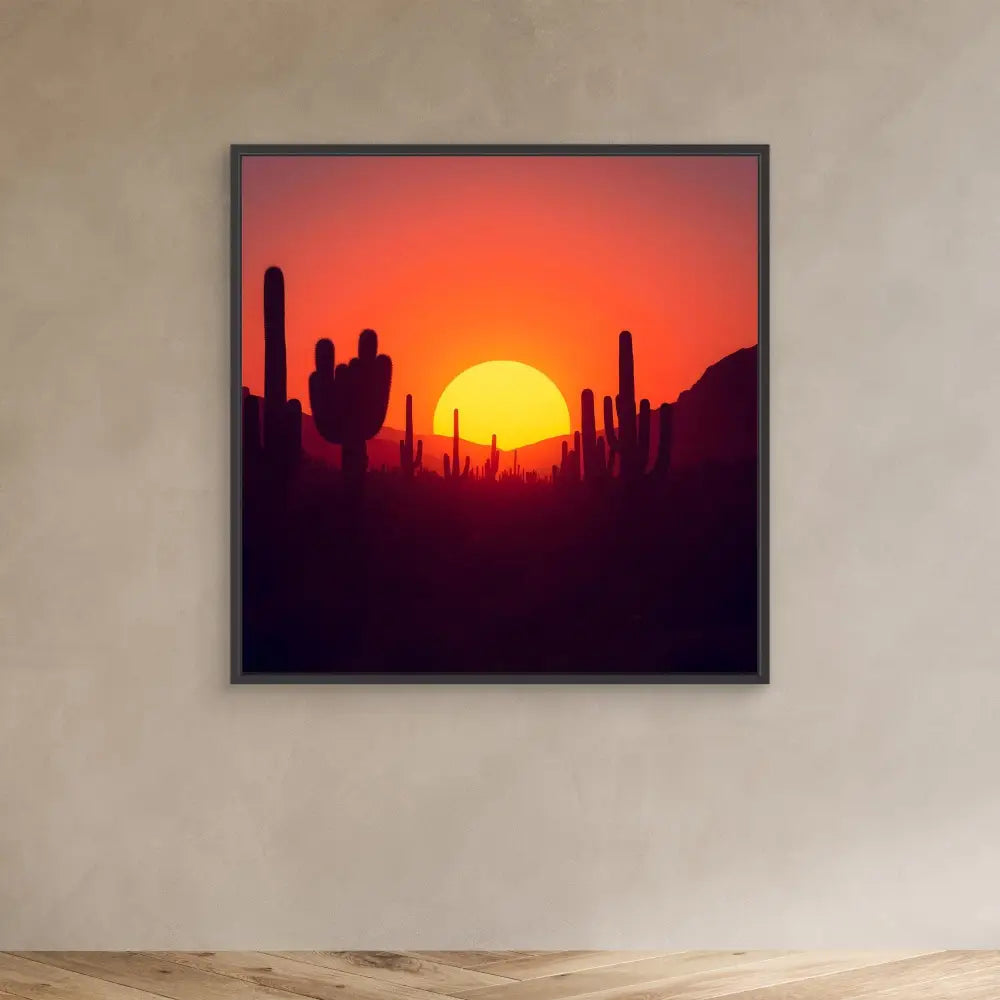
x,y
145,803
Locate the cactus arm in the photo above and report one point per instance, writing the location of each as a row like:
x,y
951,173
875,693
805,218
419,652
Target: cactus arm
x,y
609,425
367,346
323,393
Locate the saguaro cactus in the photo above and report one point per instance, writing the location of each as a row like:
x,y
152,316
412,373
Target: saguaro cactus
x,y
451,467
568,470
642,438
601,463
595,465
662,465
410,461
492,464
349,401
278,437
275,365
588,426
630,441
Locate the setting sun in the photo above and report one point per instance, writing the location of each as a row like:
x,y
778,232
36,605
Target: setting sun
x,y
518,403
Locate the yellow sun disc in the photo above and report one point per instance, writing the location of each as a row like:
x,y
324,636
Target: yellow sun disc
x,y
518,403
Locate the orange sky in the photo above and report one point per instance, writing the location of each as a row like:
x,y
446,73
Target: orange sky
x,y
458,260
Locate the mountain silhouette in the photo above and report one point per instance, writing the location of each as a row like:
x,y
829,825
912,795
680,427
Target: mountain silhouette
x,y
383,449
716,419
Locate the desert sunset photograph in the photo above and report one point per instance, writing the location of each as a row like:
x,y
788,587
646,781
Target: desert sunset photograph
x,y
503,406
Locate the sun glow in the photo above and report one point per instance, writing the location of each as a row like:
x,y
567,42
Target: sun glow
x,y
518,403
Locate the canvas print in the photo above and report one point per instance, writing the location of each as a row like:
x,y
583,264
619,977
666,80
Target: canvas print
x,y
499,414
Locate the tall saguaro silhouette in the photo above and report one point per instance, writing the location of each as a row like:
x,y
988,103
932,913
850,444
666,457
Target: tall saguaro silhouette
x,y
280,445
492,464
630,440
451,467
410,461
594,462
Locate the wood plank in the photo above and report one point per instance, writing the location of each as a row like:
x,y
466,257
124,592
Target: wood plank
x,y
148,971
969,986
557,963
574,984
688,976
397,967
471,959
929,977
754,975
33,980
307,980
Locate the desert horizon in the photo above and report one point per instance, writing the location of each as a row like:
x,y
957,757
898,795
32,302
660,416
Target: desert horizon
x,y
546,420
537,456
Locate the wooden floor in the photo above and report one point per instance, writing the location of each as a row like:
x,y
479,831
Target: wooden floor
x,y
501,975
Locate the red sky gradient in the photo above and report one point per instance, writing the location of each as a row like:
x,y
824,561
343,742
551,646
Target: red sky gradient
x,y
457,260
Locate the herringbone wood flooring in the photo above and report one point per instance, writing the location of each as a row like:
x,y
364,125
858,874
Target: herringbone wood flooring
x,y
501,975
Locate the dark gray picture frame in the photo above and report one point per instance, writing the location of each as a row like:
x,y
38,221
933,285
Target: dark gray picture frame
x,y
239,152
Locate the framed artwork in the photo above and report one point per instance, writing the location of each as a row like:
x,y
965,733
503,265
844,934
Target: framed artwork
x,y
499,413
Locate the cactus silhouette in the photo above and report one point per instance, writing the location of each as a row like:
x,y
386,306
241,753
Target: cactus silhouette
x,y
601,462
277,439
349,401
492,464
595,464
642,439
630,440
515,472
662,465
568,470
448,474
609,431
451,467
410,461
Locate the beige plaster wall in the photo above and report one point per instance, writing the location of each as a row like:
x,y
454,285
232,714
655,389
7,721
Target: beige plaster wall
x,y
145,803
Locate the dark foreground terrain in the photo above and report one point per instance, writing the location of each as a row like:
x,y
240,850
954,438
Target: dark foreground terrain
x,y
431,576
